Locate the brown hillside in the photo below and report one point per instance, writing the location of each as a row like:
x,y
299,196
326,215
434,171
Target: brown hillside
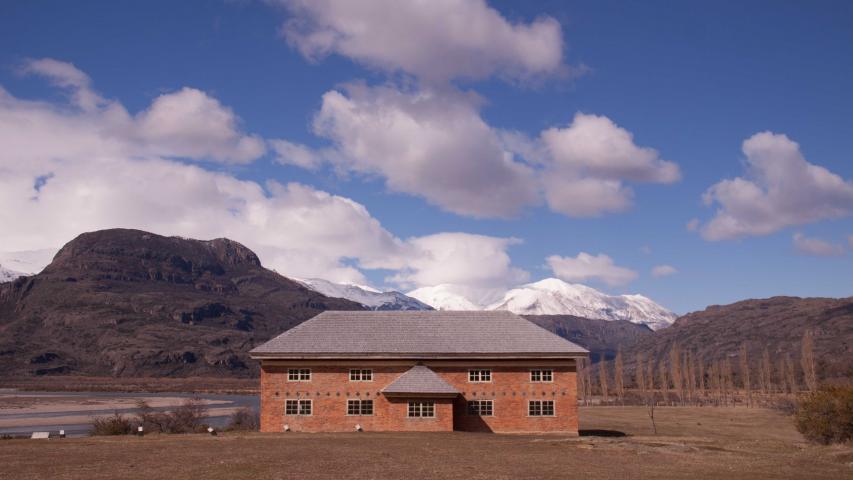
x,y
777,323
130,303
600,337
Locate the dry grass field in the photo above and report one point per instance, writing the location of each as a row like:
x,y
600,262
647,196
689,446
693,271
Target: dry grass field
x,y
691,443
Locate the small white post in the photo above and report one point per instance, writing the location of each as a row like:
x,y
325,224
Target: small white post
x,y
358,427
139,431
286,427
62,434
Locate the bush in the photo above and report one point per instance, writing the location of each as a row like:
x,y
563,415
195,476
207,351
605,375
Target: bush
x,y
244,419
115,425
826,416
190,417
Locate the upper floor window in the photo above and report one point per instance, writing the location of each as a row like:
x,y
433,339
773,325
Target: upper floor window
x,y
422,408
361,375
479,375
299,375
297,407
540,408
541,375
483,408
359,407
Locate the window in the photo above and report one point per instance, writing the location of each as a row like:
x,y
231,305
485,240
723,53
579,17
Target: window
x,y
297,407
540,408
299,375
479,376
483,408
422,409
359,407
541,375
361,375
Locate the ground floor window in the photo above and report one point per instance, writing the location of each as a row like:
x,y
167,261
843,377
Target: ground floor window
x,y
297,407
422,408
483,408
359,407
540,408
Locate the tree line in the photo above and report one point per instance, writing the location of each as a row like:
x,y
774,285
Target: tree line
x,y
683,378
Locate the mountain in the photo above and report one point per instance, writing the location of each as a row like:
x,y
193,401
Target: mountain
x,y
600,337
443,297
131,303
777,323
368,297
553,296
7,275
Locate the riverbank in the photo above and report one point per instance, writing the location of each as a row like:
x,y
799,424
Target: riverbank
x,y
235,386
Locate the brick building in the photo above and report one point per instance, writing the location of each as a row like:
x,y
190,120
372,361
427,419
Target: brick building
x,y
418,371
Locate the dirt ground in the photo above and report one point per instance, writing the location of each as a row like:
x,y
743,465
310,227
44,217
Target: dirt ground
x,y
616,442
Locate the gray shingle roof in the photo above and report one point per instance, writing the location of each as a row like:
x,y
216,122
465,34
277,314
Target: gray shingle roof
x,y
420,380
416,334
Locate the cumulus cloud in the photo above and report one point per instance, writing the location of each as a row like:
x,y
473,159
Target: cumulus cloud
x,y
64,171
663,271
186,124
586,267
780,189
289,153
589,161
462,259
433,146
816,246
435,41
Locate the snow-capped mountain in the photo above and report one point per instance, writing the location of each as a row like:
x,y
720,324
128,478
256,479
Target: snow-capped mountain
x,y
553,296
7,275
444,297
367,296
27,262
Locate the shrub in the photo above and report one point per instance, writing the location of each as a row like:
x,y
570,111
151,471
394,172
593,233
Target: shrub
x,y
244,419
114,425
189,417
826,416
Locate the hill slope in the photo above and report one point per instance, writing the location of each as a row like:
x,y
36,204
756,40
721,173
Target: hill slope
x,y
131,303
600,337
777,323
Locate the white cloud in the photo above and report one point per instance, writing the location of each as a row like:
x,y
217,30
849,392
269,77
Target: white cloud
x,y
663,271
780,189
816,246
586,267
435,41
185,124
693,225
433,146
289,153
589,161
66,171
460,259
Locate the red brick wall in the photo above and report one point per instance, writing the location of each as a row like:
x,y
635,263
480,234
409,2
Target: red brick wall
x,y
330,388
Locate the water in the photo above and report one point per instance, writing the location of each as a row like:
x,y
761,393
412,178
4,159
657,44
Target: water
x,y
81,427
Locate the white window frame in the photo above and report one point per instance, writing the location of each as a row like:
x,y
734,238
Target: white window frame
x,y
300,374
361,375
541,372
421,407
542,408
360,407
299,403
478,410
477,375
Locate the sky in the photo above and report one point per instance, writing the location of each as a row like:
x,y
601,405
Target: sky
x,y
697,153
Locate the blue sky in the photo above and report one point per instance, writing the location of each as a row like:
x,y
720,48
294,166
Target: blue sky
x,y
691,80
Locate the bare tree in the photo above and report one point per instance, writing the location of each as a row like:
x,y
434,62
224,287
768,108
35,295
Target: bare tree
x,y
791,375
664,382
783,379
728,380
701,379
744,374
767,371
618,379
639,373
675,369
807,361
581,379
651,403
602,378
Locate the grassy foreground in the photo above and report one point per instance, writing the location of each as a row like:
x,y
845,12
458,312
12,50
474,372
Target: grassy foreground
x,y
691,443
